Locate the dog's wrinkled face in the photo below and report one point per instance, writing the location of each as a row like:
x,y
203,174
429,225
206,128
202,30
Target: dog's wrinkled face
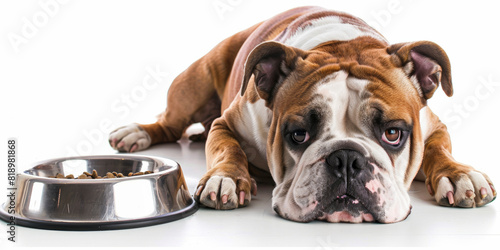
x,y
345,155
345,140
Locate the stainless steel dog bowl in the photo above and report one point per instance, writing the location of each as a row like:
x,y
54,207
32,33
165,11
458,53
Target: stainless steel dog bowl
x,y
99,204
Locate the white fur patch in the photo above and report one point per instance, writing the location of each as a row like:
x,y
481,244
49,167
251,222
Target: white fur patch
x,y
417,86
327,29
462,186
356,84
444,186
334,89
220,186
425,122
258,115
479,181
228,187
401,162
253,128
126,136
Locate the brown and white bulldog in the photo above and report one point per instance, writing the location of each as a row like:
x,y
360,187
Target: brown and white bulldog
x,y
325,105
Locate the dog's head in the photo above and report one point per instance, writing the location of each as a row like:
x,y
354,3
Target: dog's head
x,y
345,139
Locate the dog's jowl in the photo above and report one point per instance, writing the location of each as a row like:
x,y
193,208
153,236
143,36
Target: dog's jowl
x,y
325,106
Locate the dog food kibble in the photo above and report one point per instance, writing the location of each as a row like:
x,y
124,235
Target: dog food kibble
x,y
110,175
94,175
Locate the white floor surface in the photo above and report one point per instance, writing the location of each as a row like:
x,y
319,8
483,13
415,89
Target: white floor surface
x,y
75,70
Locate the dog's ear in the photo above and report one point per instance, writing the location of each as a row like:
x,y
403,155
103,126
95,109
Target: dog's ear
x,y
427,63
269,63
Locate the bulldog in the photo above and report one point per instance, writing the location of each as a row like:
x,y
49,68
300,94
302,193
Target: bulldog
x,y
321,103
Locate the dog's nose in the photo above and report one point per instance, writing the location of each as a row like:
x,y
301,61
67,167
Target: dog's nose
x,y
346,163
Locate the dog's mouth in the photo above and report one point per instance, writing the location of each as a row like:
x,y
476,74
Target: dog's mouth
x,y
346,216
345,208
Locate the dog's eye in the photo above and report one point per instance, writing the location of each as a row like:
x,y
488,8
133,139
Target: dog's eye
x,y
300,136
392,136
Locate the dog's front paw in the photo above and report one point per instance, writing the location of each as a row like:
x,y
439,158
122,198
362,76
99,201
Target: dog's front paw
x,y
462,188
223,192
129,138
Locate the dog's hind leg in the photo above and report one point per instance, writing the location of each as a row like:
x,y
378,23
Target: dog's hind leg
x,y
193,97
189,92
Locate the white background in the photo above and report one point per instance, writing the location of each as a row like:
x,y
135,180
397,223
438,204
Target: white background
x,y
71,71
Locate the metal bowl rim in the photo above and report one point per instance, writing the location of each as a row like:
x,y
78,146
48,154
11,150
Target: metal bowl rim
x,y
165,162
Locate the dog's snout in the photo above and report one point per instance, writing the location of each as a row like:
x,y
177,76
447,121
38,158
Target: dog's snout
x,y
343,163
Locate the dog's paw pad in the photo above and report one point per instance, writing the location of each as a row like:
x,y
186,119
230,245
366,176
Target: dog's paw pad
x,y
130,138
445,192
465,190
218,192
